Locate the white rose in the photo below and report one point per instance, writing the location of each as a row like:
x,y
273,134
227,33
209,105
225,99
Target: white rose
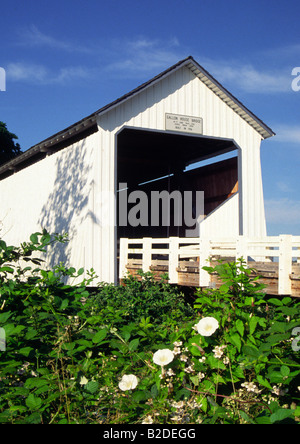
x,y
163,357
128,382
207,326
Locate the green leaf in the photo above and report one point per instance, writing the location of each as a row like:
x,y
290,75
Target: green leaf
x,y
224,288
98,337
94,319
289,311
215,363
280,415
275,377
285,371
141,396
195,379
6,270
263,419
204,404
33,402
276,338
34,418
264,382
252,325
286,300
34,238
212,401
120,345
218,379
276,302
251,351
133,345
236,341
4,317
64,304
92,387
25,351
3,245
240,326
11,329
35,383
31,333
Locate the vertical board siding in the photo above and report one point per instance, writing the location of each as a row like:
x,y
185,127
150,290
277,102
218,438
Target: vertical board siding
x,y
55,194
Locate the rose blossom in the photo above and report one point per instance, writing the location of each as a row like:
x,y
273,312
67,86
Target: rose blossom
x,y
163,357
207,326
128,382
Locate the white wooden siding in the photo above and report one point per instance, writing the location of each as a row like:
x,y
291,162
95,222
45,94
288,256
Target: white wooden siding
x,y
54,193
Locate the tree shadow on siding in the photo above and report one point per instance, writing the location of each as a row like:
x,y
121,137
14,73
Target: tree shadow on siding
x,y
67,206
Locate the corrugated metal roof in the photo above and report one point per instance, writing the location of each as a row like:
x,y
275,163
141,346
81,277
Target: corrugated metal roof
x,y
90,120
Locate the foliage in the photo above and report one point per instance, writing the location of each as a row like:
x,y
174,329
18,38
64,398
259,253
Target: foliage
x,y
8,148
256,332
73,356
142,297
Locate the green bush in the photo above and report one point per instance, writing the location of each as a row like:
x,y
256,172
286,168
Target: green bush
x,y
142,297
138,353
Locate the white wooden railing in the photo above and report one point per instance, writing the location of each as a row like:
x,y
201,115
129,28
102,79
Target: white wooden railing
x,y
284,249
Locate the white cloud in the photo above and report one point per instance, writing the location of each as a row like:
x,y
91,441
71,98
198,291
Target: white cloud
x,y
40,74
33,37
283,52
136,57
26,71
284,187
287,133
283,211
248,78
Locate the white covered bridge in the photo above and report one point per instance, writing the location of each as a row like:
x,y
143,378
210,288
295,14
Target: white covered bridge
x,y
181,131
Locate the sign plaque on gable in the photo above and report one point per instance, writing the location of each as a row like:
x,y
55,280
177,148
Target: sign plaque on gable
x,y
184,124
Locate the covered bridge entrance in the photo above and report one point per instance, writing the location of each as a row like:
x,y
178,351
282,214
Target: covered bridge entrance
x,y
156,164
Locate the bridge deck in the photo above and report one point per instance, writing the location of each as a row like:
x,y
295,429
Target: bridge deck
x,y
275,259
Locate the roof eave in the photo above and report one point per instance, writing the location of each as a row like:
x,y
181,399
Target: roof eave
x,y
229,99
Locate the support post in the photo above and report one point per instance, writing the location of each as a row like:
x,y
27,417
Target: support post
x,y
123,257
241,248
204,277
285,265
147,254
173,260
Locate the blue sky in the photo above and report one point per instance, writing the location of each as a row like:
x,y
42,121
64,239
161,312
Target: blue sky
x,y
65,59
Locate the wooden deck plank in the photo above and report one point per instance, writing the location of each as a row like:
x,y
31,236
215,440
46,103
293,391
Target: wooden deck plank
x,y
188,274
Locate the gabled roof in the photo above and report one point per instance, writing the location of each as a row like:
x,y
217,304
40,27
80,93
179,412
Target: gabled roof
x,y
90,121
212,84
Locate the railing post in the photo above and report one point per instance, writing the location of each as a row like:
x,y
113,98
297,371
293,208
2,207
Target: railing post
x,y
241,248
147,254
173,260
204,277
285,265
123,257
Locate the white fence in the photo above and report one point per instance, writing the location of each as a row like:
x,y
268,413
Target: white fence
x,y
284,249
